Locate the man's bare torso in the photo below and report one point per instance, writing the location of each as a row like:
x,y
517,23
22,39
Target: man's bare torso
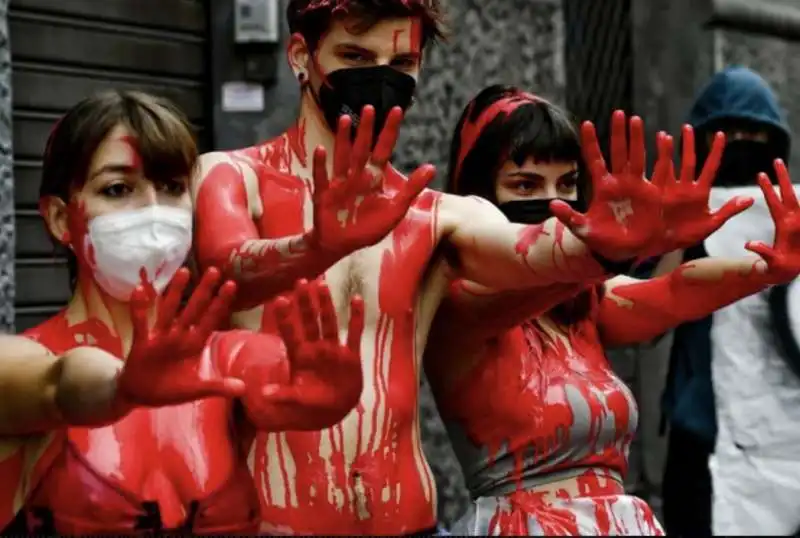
x,y
368,474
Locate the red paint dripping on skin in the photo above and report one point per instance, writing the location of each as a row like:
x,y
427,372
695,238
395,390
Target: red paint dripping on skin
x,y
533,419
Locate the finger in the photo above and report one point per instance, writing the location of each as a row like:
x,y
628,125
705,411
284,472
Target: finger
x,y
662,172
636,152
355,328
341,147
619,142
287,325
418,180
319,171
788,195
590,147
307,307
200,299
569,217
171,301
218,313
770,196
709,172
363,143
327,313
387,138
760,248
139,306
731,208
688,158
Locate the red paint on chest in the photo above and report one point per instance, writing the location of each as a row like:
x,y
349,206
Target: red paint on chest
x,y
535,413
362,496
100,477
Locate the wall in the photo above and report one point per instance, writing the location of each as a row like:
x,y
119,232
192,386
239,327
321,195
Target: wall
x,y
6,180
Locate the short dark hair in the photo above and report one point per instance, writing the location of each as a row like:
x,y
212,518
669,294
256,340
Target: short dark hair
x,y
312,18
534,129
164,138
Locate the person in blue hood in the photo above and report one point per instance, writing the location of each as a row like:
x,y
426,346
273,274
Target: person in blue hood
x,y
740,103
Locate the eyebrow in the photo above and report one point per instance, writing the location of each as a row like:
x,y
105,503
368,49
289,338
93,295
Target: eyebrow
x,y
113,168
352,47
526,175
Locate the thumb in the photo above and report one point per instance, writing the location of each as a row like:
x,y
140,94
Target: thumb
x,y
419,180
569,217
228,387
732,208
760,248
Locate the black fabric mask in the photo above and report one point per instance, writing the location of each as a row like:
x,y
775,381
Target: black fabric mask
x,y
348,91
535,211
741,162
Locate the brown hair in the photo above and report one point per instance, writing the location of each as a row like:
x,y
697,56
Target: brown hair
x,y
164,137
312,18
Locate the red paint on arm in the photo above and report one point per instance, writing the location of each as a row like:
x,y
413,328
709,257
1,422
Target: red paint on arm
x,y
226,237
640,311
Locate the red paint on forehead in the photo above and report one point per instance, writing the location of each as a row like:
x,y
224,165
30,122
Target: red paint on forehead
x,y
396,40
471,130
135,155
415,36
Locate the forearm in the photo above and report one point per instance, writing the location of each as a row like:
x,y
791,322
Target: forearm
x,y
642,310
42,392
506,256
265,268
478,313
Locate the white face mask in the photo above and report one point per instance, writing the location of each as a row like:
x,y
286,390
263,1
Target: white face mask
x,y
156,238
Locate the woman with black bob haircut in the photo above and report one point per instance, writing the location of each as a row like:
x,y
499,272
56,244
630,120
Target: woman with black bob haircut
x,y
126,413
538,420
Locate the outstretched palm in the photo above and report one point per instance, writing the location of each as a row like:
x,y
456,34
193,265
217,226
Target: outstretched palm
x,y
783,257
165,365
364,199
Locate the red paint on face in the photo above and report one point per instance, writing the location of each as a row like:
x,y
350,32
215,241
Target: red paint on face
x,y
78,226
396,40
415,37
135,155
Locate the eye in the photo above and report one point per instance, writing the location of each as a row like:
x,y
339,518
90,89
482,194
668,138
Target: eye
x,y
116,190
526,186
404,63
173,187
353,56
569,183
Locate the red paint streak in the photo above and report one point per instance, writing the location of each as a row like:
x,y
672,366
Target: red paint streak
x,y
471,130
415,37
396,40
384,442
135,154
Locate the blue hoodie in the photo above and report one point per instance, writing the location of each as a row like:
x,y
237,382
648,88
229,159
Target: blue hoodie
x,y
688,401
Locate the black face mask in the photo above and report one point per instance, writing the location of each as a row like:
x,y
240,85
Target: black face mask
x,y
535,211
742,161
349,90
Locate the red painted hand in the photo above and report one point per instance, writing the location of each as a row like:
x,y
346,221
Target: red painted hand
x,y
783,257
164,365
358,206
324,375
687,219
625,212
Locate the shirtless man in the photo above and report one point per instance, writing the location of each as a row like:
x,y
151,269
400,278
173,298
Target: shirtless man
x,y
284,210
